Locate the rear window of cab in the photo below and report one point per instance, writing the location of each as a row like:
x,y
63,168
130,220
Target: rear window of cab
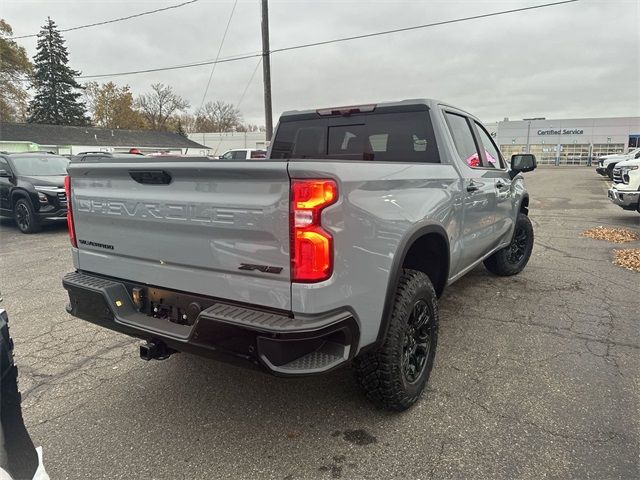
x,y
388,137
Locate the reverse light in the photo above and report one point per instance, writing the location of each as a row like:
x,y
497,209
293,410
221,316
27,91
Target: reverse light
x,y
70,226
311,245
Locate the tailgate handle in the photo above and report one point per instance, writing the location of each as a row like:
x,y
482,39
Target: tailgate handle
x,y
151,177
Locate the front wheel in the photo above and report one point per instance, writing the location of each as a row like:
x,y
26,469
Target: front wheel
x,y
25,217
513,258
395,375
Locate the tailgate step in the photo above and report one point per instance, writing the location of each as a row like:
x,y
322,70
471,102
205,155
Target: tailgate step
x,y
251,318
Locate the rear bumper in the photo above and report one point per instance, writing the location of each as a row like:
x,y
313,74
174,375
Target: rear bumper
x,y
627,199
281,343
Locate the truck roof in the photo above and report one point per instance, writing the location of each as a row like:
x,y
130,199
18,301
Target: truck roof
x,y
428,102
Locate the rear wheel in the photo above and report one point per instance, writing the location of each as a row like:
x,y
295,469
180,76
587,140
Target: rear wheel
x,y
513,258
25,217
395,375
17,454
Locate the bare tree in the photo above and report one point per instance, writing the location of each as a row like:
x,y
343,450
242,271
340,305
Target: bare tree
x,y
159,105
218,117
187,120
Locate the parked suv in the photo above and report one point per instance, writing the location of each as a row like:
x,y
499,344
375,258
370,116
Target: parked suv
x,y
32,189
334,248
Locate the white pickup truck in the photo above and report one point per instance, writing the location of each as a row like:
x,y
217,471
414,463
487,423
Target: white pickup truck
x,y
625,190
607,163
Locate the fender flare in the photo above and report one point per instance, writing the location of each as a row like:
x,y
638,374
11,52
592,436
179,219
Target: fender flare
x,y
18,193
396,268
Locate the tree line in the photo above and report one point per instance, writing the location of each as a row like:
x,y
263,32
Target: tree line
x,y
59,99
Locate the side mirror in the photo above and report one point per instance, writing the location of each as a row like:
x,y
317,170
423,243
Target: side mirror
x,y
523,162
637,155
5,174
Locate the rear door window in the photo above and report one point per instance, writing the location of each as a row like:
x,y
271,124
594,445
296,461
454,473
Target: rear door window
x,y
393,137
463,140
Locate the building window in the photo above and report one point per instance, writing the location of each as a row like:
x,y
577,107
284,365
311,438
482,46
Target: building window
x,y
600,149
511,149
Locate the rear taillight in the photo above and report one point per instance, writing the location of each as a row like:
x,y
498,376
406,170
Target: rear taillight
x,y
70,226
311,245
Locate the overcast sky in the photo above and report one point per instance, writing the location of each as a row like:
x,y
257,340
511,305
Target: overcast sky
x,y
575,60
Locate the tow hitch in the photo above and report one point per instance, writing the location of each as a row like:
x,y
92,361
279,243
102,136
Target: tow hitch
x,y
155,350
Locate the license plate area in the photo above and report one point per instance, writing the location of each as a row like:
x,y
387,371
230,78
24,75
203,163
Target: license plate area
x,y
167,305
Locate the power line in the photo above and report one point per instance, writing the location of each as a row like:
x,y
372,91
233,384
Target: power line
x,y
416,27
335,40
174,67
244,92
213,68
129,17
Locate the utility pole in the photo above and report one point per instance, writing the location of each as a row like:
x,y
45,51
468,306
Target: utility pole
x,y
266,69
529,129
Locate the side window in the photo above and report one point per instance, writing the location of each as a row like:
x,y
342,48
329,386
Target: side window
x,y
491,153
227,156
463,139
240,155
4,165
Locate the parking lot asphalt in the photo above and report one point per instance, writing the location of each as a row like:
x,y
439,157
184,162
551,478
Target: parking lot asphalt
x,y
536,375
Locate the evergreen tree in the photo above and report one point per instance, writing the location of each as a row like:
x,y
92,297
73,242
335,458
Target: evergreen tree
x,y
57,99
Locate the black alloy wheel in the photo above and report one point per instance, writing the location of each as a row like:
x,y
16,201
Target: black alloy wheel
x,y
518,246
23,217
418,341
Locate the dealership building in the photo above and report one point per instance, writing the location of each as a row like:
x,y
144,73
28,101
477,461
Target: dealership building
x,y
567,141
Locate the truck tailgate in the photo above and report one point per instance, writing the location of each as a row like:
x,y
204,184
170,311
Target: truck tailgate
x,y
215,228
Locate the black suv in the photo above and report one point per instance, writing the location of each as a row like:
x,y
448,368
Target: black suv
x,y
32,188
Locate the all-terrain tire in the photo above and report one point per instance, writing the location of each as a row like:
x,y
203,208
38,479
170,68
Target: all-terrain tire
x,y
513,258
20,457
610,171
25,217
385,374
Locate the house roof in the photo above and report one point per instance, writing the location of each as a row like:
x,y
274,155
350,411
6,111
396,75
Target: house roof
x,y
49,135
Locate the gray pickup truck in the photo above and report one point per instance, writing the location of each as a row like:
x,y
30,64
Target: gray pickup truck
x,y
334,248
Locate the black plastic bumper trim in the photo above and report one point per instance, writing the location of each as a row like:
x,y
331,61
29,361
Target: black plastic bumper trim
x,y
282,344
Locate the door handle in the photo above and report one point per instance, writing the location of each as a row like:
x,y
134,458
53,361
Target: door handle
x,y
473,187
